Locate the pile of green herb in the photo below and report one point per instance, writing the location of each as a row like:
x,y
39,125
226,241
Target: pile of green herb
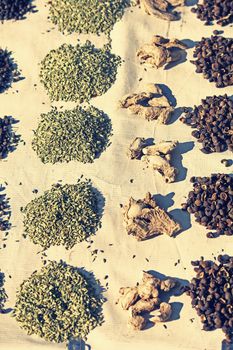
x,y
78,73
79,134
63,215
3,295
59,302
87,16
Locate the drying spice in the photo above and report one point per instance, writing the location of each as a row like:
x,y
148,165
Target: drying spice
x,y
78,73
3,295
80,134
5,212
160,51
211,294
214,59
87,16
8,70
146,298
63,215
213,123
144,219
211,202
215,10
59,302
151,104
163,9
8,138
157,156
15,9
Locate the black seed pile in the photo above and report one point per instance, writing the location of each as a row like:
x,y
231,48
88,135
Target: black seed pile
x,y
15,9
5,213
211,292
214,59
213,123
8,70
8,138
3,295
215,10
211,202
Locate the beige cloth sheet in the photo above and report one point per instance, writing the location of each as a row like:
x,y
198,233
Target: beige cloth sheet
x,y
30,40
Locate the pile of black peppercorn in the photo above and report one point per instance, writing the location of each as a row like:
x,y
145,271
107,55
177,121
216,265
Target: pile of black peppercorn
x,y
211,202
14,9
213,121
215,10
8,138
211,292
214,58
8,70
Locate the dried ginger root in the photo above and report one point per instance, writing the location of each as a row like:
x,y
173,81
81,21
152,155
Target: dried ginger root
x,y
144,219
150,105
147,300
163,314
160,52
161,8
158,156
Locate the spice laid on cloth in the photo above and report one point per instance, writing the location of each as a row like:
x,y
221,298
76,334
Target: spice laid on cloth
x,y
63,215
87,16
161,51
78,73
156,156
213,123
211,294
214,59
3,295
5,212
211,202
146,298
15,9
8,138
151,104
215,10
79,134
59,302
162,8
8,70
144,219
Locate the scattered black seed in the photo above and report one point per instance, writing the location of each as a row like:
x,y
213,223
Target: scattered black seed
x,y
213,123
10,276
131,181
106,277
121,205
35,191
104,260
110,244
147,260
214,58
215,10
101,251
140,79
134,256
211,294
192,320
164,326
4,245
20,183
211,202
227,162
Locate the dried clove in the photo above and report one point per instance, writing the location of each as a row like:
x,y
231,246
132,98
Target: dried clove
x,y
151,104
144,219
160,52
213,123
214,57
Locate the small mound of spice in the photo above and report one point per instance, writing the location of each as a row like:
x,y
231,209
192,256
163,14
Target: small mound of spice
x,y
215,10
86,16
59,302
84,133
8,70
15,9
78,73
5,212
211,202
214,57
213,123
211,294
8,139
3,295
63,215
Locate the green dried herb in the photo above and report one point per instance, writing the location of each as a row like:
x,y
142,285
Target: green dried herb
x,y
3,295
63,215
59,302
79,134
87,16
78,73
